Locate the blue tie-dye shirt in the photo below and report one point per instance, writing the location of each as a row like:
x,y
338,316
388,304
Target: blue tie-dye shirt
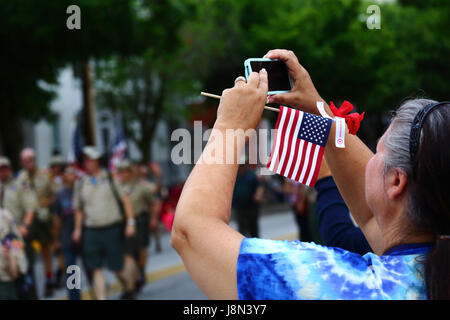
x,y
284,270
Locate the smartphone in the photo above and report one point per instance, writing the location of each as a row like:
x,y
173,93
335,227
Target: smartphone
x,y
279,80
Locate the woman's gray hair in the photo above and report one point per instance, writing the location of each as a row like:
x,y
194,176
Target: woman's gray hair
x,y
396,142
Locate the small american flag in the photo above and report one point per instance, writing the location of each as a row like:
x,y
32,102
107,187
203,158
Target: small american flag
x,y
119,148
299,144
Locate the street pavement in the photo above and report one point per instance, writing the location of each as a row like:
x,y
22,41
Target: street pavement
x,y
167,278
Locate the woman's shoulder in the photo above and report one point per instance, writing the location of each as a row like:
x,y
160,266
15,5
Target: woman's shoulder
x,y
265,246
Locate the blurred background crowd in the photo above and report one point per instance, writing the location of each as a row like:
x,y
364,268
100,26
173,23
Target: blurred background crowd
x,y
39,209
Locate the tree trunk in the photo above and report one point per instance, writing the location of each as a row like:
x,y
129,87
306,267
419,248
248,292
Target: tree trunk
x,y
88,104
145,146
11,135
11,126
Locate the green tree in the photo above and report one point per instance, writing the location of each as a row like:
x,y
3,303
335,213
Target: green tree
x,y
37,44
373,69
152,84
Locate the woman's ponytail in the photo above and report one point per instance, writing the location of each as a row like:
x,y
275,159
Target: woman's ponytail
x,y
437,270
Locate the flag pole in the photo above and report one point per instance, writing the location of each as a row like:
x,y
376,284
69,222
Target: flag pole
x,y
218,97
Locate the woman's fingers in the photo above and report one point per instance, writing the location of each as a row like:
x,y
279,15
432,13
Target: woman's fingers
x,y
253,80
281,98
239,81
256,80
287,56
263,81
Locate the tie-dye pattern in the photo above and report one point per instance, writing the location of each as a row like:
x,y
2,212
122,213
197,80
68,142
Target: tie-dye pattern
x,y
284,270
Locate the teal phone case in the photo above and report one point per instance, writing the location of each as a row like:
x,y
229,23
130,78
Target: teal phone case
x,y
248,71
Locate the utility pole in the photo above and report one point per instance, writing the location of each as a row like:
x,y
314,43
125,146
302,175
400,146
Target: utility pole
x,y
88,104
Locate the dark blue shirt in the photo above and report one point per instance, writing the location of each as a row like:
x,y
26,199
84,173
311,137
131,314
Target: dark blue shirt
x,y
335,225
244,190
63,207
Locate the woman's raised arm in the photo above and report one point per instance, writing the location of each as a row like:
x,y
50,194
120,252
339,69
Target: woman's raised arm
x,y
348,164
201,235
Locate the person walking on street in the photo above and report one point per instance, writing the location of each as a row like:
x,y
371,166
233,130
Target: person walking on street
x,y
64,224
34,179
13,261
299,201
22,204
142,194
56,173
56,176
98,208
152,173
247,196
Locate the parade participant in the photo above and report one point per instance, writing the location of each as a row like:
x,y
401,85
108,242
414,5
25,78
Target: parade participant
x,y
64,224
13,262
98,206
247,196
299,201
152,173
141,194
56,173
34,179
22,204
398,197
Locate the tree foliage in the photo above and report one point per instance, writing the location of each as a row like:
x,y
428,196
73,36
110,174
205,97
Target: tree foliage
x,y
374,69
36,44
149,85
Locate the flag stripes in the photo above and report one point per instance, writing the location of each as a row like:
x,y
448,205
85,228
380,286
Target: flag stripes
x,y
298,145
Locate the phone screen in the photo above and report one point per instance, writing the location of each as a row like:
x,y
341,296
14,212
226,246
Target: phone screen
x,y
277,74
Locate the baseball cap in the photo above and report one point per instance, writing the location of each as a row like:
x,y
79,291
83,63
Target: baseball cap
x,y
91,152
124,164
4,162
57,161
70,170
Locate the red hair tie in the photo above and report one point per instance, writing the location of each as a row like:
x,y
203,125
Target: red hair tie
x,y
353,120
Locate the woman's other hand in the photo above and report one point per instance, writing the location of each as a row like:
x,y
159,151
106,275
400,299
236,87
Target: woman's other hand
x,y
303,95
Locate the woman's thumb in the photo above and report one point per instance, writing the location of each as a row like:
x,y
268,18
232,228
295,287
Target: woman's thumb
x,y
281,98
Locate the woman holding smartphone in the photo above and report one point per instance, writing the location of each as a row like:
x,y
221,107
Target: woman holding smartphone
x,y
398,196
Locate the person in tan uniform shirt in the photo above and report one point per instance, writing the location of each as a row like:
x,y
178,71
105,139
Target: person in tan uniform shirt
x,y
37,180
13,262
22,205
98,216
142,197
20,202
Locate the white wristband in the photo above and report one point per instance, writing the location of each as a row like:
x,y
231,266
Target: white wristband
x,y
131,222
339,137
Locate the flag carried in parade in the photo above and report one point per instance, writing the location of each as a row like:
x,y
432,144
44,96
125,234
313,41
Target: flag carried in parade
x,y
119,149
75,156
298,145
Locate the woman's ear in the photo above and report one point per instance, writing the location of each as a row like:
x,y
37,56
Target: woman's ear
x,y
396,184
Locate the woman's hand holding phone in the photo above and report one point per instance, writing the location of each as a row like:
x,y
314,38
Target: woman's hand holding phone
x,y
303,95
241,107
